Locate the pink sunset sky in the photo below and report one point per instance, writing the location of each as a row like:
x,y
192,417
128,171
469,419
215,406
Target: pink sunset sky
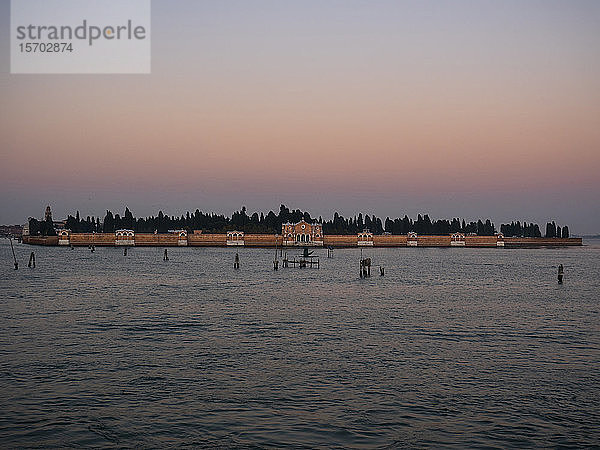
x,y
452,108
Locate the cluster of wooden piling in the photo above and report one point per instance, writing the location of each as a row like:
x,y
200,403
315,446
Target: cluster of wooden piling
x,y
31,263
365,267
306,259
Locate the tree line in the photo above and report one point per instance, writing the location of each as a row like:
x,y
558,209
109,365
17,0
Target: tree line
x,y
271,224
533,230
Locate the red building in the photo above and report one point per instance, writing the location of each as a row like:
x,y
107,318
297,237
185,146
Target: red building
x,y
302,234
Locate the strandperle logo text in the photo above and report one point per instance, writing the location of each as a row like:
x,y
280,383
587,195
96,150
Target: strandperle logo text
x,y
80,36
84,31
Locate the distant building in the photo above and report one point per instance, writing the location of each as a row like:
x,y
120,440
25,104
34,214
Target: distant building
x,y
48,214
181,237
12,230
64,237
302,234
235,238
57,224
125,237
457,240
411,239
499,240
365,239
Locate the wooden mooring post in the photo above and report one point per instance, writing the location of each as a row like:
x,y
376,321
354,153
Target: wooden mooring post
x,y
165,255
14,256
365,266
236,262
561,272
31,261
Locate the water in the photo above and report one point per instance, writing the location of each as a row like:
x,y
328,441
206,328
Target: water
x,y
453,347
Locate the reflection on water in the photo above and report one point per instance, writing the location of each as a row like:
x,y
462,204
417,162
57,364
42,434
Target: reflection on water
x,y
455,347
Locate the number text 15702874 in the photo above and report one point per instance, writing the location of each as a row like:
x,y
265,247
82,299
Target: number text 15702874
x,y
45,47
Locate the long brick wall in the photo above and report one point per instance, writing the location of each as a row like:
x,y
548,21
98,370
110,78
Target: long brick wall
x,y
261,240
433,241
151,239
268,240
99,239
389,240
541,242
207,240
40,240
480,241
340,240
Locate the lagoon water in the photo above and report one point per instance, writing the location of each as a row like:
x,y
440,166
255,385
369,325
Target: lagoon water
x,y
452,348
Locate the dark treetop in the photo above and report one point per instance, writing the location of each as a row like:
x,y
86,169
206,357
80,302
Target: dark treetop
x,y
271,223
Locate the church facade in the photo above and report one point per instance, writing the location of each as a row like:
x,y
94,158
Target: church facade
x,y
302,234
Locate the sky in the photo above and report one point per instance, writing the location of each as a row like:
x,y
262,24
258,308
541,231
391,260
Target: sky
x,y
451,108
